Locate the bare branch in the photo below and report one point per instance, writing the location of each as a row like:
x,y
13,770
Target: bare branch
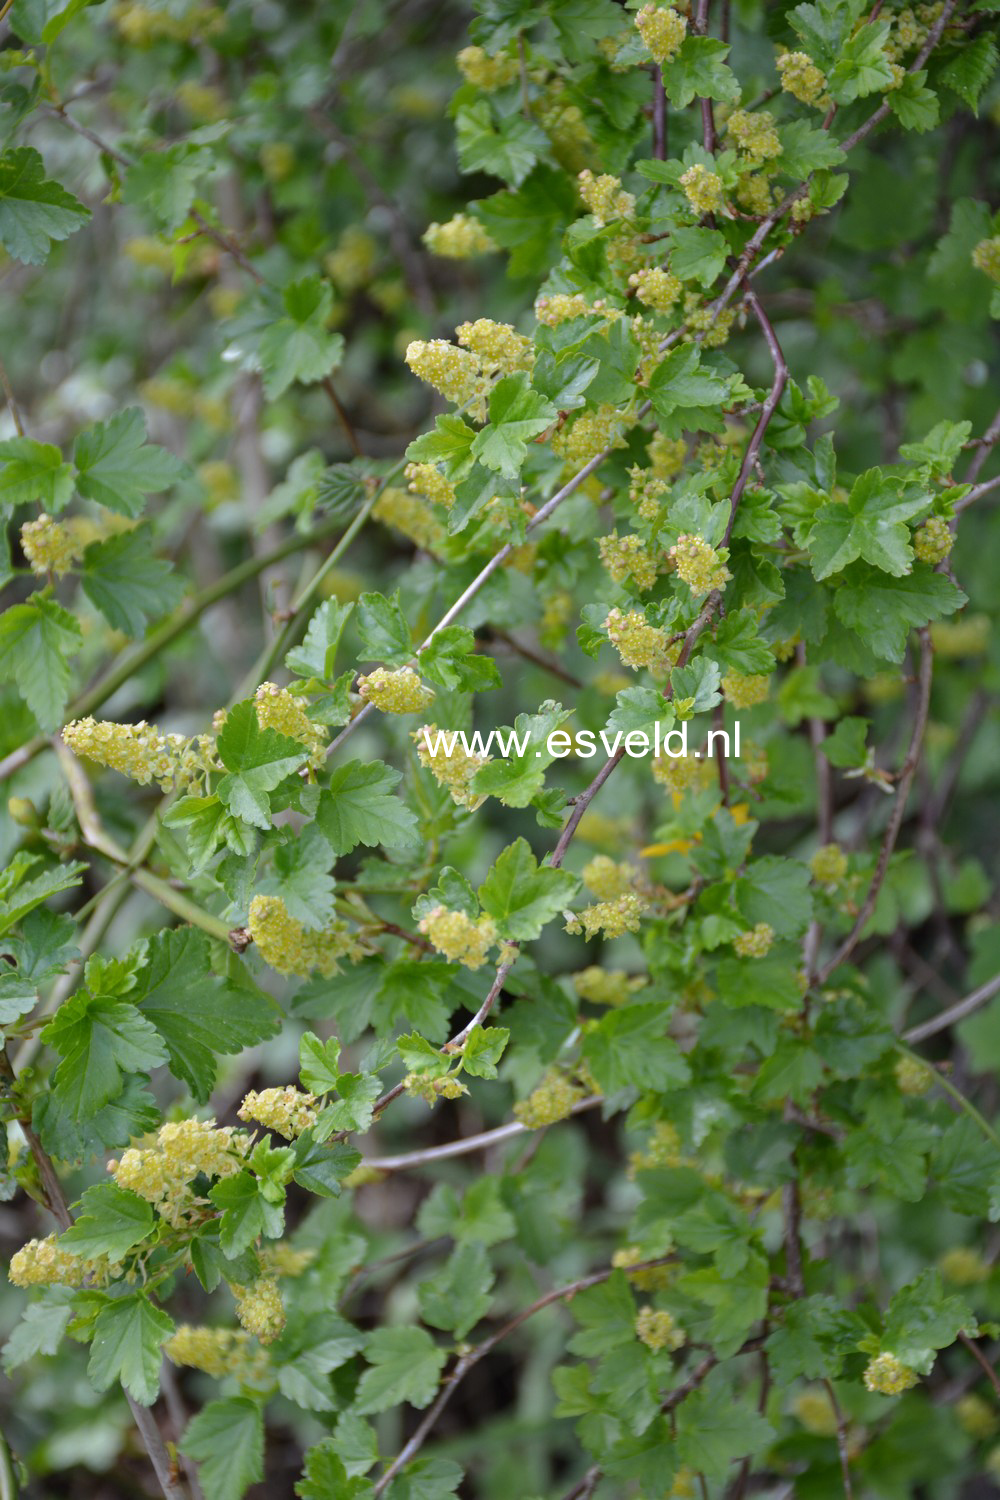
x,y
954,1013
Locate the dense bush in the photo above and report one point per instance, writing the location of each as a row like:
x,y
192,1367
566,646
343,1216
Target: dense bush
x,y
565,1120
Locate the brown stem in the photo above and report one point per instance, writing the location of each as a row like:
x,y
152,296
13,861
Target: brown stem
x,y
906,776
954,1013
843,1450
981,1361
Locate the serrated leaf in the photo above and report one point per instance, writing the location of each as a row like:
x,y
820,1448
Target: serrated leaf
x,y
517,414
405,1366
522,897
127,584
457,1296
118,468
258,761
226,1440
128,1337
247,1213
317,654
112,1221
36,641
30,472
382,629
883,610
99,1039
34,210
359,808
299,346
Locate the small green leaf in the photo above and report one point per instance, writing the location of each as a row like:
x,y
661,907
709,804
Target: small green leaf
x,y
118,468
406,1366
517,413
31,472
112,1221
34,210
127,584
226,1440
299,346
128,1338
521,897
36,641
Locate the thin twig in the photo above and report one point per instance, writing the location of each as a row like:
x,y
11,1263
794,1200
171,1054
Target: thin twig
x,y
906,776
659,117
465,1145
12,406
843,1448
954,1013
981,1360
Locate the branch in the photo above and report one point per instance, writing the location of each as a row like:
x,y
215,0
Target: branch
x,y
843,1448
467,1144
981,1360
468,1361
767,411
954,1013
12,406
984,447
906,776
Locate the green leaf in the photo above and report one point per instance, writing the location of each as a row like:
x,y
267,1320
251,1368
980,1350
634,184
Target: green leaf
x,y
36,641
697,255
630,1048
112,1221
713,1430
434,1478
382,630
883,610
449,446
914,104
325,1477
921,1319
41,1328
483,1049
321,1169
870,525
517,413
246,1213
258,760
359,808
317,655
299,346
680,381
862,67
776,890
509,149
99,1039
127,584
521,897
118,468
199,1014
34,210
806,150
226,1440
165,182
406,1366
20,893
699,71
968,73
318,1063
606,1315
132,1113
31,472
846,746
457,1296
128,1337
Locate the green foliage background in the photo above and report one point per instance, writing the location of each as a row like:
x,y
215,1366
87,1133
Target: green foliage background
x,y
214,262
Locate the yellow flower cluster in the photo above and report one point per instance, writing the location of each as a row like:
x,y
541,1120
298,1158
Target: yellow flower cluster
x,y
352,264
138,751
395,692
829,864
606,879
45,1263
756,943
969,635
679,772
638,643
141,26
667,455
703,189
656,288
657,1329
745,689
280,1259
663,30
459,238
628,557
286,1110
184,1149
411,516
289,948
54,546
560,307
699,565
933,541
613,918
814,1410
430,1090
462,939
485,72
754,193
801,78
218,1352
606,986
499,347
428,481
557,612
277,160
976,1417
913,1077
653,1279
452,371
754,134
714,328
605,197
453,771
278,709
260,1309
888,1375
963,1266
551,1100
663,1149
590,433
565,126
646,491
